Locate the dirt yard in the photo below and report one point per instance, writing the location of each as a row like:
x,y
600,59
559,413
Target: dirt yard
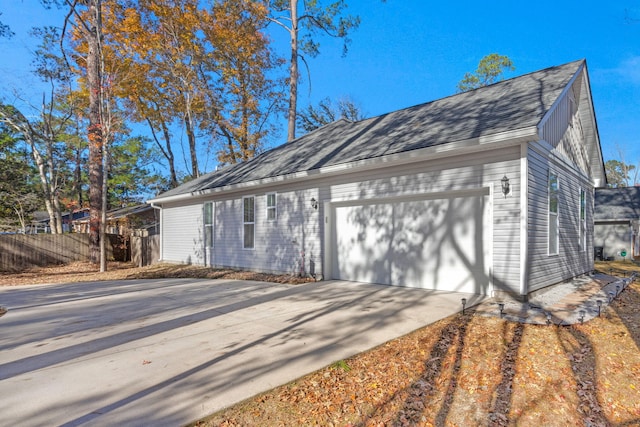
x,y
465,370
87,272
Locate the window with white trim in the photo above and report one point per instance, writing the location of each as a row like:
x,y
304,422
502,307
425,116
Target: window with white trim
x,y
208,224
272,212
553,226
583,220
248,220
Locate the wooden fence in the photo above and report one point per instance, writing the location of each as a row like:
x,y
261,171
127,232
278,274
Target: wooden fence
x,y
20,251
145,250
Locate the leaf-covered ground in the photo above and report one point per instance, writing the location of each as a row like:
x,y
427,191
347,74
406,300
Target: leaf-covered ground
x,y
85,271
465,370
470,370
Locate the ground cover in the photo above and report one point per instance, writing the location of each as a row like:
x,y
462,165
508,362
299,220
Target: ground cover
x,y
469,370
465,370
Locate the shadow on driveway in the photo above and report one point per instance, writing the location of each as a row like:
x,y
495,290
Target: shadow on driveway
x,y
168,352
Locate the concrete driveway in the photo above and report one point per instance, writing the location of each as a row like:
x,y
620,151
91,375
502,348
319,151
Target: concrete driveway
x,y
167,352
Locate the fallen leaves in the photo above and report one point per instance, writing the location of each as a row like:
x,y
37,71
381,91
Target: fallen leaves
x,y
465,370
470,370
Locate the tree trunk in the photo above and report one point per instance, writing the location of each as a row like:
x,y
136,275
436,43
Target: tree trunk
x,y
173,176
293,72
192,144
46,185
77,176
103,211
57,211
95,131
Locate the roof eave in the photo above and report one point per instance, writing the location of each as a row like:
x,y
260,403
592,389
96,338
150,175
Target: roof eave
x,y
497,140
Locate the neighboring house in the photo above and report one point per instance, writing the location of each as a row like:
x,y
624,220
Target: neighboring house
x,y
414,197
125,221
617,223
41,221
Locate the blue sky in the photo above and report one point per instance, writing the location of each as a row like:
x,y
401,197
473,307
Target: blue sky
x,y
408,52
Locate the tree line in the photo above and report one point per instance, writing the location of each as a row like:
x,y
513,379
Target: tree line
x,y
203,71
134,84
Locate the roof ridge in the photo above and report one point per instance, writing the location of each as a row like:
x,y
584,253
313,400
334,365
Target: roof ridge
x,y
482,88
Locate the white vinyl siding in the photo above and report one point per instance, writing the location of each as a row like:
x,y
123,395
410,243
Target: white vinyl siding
x,y
248,222
295,241
564,129
285,246
553,230
544,270
272,210
182,234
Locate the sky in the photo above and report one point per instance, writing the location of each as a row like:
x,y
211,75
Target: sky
x,y
408,52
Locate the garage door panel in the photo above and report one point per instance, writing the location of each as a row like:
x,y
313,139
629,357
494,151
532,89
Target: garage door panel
x,y
431,244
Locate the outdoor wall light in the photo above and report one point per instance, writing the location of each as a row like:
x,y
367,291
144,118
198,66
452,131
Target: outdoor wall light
x,y
314,203
505,185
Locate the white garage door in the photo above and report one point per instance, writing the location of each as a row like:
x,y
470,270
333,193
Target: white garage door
x,y
439,242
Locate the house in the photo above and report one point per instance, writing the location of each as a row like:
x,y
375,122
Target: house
x,y
489,191
617,223
41,221
124,221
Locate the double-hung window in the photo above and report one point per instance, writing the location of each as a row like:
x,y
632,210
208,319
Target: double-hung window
x,y
208,224
272,212
249,225
583,220
553,226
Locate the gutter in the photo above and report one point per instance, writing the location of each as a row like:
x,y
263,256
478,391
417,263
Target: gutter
x,y
499,140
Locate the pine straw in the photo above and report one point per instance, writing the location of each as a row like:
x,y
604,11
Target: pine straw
x,y
469,370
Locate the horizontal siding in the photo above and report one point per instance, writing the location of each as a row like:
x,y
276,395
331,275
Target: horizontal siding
x,y
280,244
182,234
564,129
289,244
544,269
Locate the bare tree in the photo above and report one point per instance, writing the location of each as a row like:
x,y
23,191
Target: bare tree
x,y
326,112
303,24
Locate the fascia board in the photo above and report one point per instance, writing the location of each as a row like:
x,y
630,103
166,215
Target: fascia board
x,y
493,141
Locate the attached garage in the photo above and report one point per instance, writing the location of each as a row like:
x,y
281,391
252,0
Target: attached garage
x,y
449,195
431,241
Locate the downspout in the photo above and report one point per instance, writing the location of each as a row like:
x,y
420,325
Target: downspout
x,y
524,220
159,208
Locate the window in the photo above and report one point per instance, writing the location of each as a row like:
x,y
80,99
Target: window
x,y
553,215
583,220
248,232
208,224
272,213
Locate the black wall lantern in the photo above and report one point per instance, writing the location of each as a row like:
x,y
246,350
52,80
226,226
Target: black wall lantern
x,y
505,185
314,203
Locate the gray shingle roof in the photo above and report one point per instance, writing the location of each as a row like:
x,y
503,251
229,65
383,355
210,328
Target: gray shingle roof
x,y
509,105
617,203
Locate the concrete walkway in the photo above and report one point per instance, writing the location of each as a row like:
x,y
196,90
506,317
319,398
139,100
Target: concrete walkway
x,y
167,352
575,301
